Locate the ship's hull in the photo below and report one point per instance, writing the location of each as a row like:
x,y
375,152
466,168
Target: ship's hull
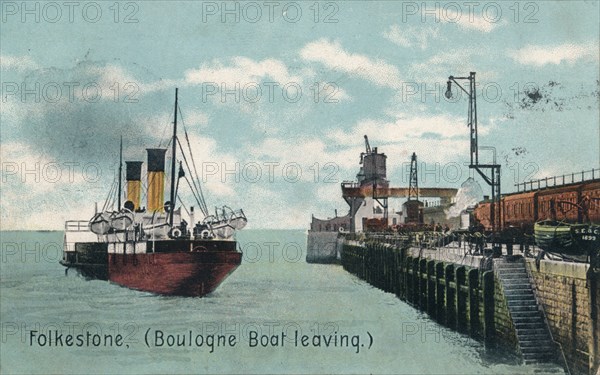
x,y
90,271
168,267
193,274
90,259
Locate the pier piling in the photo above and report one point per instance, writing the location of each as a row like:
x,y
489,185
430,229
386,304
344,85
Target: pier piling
x,y
470,298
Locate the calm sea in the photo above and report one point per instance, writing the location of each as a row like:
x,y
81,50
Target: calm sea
x,y
349,326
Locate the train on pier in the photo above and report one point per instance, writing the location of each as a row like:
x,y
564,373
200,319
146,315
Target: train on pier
x,y
563,219
571,203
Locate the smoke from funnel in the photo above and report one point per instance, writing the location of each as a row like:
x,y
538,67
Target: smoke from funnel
x,y
470,193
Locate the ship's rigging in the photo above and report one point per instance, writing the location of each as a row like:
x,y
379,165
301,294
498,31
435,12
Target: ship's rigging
x,y
222,224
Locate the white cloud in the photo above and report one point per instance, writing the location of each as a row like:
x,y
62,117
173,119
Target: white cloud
x,y
304,150
330,92
113,77
332,55
470,20
157,125
161,84
19,63
403,127
435,139
41,193
212,165
109,75
480,20
329,192
273,210
541,55
18,159
15,110
245,84
457,62
195,118
438,138
409,36
242,71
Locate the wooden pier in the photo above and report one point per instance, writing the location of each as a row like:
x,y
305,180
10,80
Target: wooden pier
x,y
503,301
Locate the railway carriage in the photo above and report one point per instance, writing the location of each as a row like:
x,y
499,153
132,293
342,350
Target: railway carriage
x,y
573,203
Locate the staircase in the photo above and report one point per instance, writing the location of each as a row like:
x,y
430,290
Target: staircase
x,y
535,341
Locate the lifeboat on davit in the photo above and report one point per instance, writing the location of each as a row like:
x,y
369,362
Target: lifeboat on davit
x,y
100,223
122,220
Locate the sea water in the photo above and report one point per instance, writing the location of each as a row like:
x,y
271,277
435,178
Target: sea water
x,y
274,314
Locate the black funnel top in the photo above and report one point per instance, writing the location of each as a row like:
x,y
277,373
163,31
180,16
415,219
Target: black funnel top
x,y
156,159
133,170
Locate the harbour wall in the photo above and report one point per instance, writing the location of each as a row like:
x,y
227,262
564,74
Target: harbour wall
x,y
323,247
464,293
570,302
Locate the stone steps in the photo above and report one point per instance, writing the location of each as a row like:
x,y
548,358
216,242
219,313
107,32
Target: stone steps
x,y
518,320
513,275
517,286
523,308
535,346
520,297
520,301
538,332
508,269
529,325
530,358
548,368
525,313
518,292
532,315
532,333
504,265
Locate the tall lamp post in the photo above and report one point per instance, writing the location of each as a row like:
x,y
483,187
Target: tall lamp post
x,y
494,169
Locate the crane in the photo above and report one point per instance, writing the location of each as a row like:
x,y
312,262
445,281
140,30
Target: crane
x,y
367,145
413,188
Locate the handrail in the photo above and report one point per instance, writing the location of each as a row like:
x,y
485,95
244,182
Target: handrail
x,y
541,307
76,226
575,177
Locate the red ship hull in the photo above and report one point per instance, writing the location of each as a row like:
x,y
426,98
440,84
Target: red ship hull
x,y
192,274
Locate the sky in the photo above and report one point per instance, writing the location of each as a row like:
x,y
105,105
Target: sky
x,y
276,97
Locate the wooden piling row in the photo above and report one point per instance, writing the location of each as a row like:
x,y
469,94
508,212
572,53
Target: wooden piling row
x,y
456,296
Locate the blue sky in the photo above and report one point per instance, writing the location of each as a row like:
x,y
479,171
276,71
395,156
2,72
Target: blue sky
x,y
308,83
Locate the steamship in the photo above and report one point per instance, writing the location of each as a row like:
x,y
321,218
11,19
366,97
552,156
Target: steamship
x,y
153,248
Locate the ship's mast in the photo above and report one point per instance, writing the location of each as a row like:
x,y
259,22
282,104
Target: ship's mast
x,y
120,174
173,163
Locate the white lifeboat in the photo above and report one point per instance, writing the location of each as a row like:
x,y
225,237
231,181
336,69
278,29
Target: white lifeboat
x,y
122,220
100,223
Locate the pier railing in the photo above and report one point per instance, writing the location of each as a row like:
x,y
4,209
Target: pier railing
x,y
460,242
556,181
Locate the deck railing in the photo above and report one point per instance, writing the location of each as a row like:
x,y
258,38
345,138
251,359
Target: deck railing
x,y
555,181
77,226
